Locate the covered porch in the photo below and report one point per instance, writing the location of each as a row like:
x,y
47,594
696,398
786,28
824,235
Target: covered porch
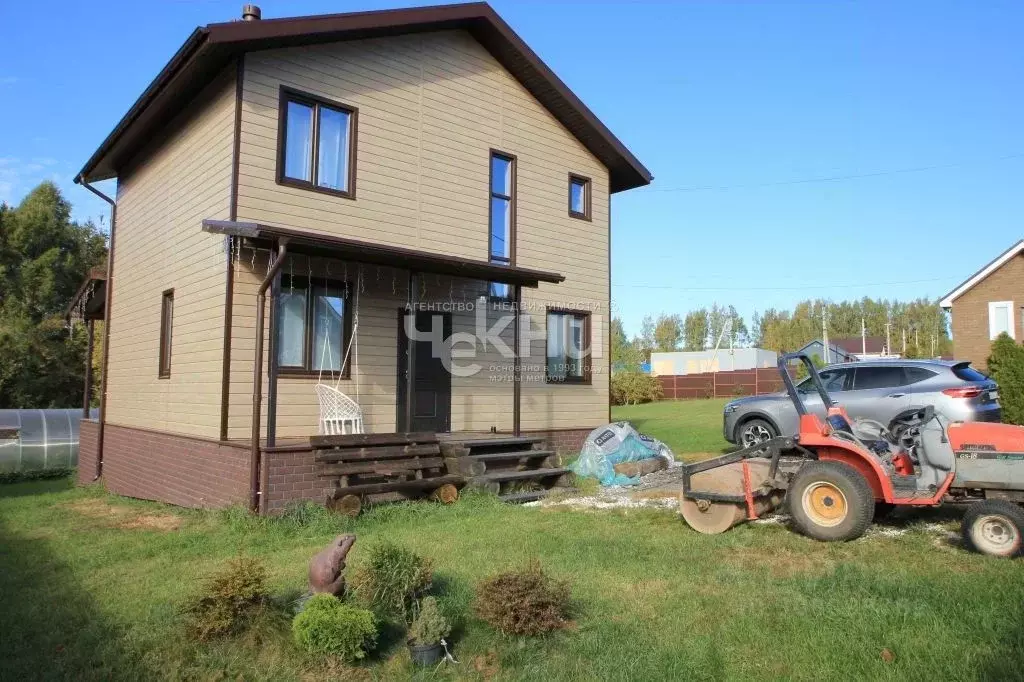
x,y
409,323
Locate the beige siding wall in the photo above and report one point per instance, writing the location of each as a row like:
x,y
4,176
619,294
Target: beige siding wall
x,y
161,203
431,107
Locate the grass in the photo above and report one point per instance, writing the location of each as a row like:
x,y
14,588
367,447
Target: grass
x,y
691,428
92,586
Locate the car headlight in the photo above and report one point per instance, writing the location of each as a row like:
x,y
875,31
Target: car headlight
x,y
731,407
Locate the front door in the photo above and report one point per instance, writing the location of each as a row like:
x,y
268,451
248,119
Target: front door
x,y
431,381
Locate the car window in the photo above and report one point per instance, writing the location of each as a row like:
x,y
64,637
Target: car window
x,y
834,381
877,377
916,374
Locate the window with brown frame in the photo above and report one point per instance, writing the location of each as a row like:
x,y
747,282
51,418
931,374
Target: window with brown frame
x,y
579,196
502,215
314,325
166,328
568,346
316,144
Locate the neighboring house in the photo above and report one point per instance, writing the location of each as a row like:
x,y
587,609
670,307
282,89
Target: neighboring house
x,y
364,172
723,360
835,353
849,350
986,304
865,347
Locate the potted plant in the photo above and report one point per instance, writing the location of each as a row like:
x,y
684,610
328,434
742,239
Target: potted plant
x,y
426,633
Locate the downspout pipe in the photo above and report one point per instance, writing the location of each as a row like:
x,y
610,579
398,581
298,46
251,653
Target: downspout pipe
x,y
257,376
80,180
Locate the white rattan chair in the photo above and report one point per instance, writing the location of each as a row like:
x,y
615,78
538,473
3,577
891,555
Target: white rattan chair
x,y
339,414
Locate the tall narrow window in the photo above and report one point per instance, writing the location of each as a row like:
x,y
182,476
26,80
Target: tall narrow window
x,y
502,215
166,326
579,196
314,326
316,143
568,346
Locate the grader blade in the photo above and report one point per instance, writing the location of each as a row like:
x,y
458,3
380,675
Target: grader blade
x,y
714,500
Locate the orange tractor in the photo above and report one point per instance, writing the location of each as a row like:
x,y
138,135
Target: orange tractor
x,y
837,475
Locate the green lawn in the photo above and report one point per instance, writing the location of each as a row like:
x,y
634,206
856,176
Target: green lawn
x,y
690,427
92,585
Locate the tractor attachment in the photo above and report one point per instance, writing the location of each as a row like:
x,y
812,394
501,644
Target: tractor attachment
x,y
724,491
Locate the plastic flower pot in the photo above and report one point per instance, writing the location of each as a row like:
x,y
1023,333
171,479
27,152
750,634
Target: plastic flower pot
x,y
426,654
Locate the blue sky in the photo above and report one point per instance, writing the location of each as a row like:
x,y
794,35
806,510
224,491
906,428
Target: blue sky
x,y
731,105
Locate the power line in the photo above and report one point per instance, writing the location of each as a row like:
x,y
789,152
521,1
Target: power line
x,y
835,178
684,287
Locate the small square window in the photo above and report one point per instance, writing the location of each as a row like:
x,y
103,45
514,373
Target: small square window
x,y
579,196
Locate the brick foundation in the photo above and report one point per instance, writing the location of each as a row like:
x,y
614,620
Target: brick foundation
x,y
88,444
181,470
193,472
291,477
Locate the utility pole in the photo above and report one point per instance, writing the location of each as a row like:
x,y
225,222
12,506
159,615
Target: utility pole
x,y
824,331
863,337
888,342
904,342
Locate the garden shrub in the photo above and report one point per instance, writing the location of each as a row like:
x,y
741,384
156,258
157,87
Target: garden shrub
x,y
328,626
524,602
232,598
392,580
633,388
430,626
1006,366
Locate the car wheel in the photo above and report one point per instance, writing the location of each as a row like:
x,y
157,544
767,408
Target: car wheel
x,y
756,431
994,527
830,501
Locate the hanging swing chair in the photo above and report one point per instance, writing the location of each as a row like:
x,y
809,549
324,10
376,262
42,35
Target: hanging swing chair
x,y
339,414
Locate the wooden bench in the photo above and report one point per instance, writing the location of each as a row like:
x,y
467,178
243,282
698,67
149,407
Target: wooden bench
x,y
383,467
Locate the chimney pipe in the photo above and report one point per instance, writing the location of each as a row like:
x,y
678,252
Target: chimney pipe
x,y
251,13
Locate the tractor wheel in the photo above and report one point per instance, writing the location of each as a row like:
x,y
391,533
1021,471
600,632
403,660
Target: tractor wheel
x,y
830,501
994,527
755,431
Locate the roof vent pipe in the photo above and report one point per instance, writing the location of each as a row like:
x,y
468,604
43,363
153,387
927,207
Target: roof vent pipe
x,y
251,13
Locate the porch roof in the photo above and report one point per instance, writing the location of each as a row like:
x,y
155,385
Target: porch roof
x,y
94,296
328,246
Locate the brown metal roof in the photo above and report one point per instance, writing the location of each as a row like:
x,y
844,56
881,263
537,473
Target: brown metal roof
x,y
870,344
210,48
328,246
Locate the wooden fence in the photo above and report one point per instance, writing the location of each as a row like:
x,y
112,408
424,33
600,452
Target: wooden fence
x,y
721,384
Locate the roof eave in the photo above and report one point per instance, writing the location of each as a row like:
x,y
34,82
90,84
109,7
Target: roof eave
x,y
946,302
188,49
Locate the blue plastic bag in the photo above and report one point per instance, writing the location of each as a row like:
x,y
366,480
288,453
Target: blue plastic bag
x,y
613,444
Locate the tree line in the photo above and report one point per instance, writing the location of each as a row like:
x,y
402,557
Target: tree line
x,y
44,258
915,329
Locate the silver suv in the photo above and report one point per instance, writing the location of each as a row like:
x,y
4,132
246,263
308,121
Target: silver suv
x,y
870,389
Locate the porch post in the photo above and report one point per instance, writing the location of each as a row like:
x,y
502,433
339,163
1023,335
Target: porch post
x,y
410,348
87,392
272,366
516,365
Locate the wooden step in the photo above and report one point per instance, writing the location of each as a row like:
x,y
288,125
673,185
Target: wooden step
x,y
514,454
533,495
502,476
495,442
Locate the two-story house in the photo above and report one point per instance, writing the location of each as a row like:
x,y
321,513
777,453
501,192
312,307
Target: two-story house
x,y
359,201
